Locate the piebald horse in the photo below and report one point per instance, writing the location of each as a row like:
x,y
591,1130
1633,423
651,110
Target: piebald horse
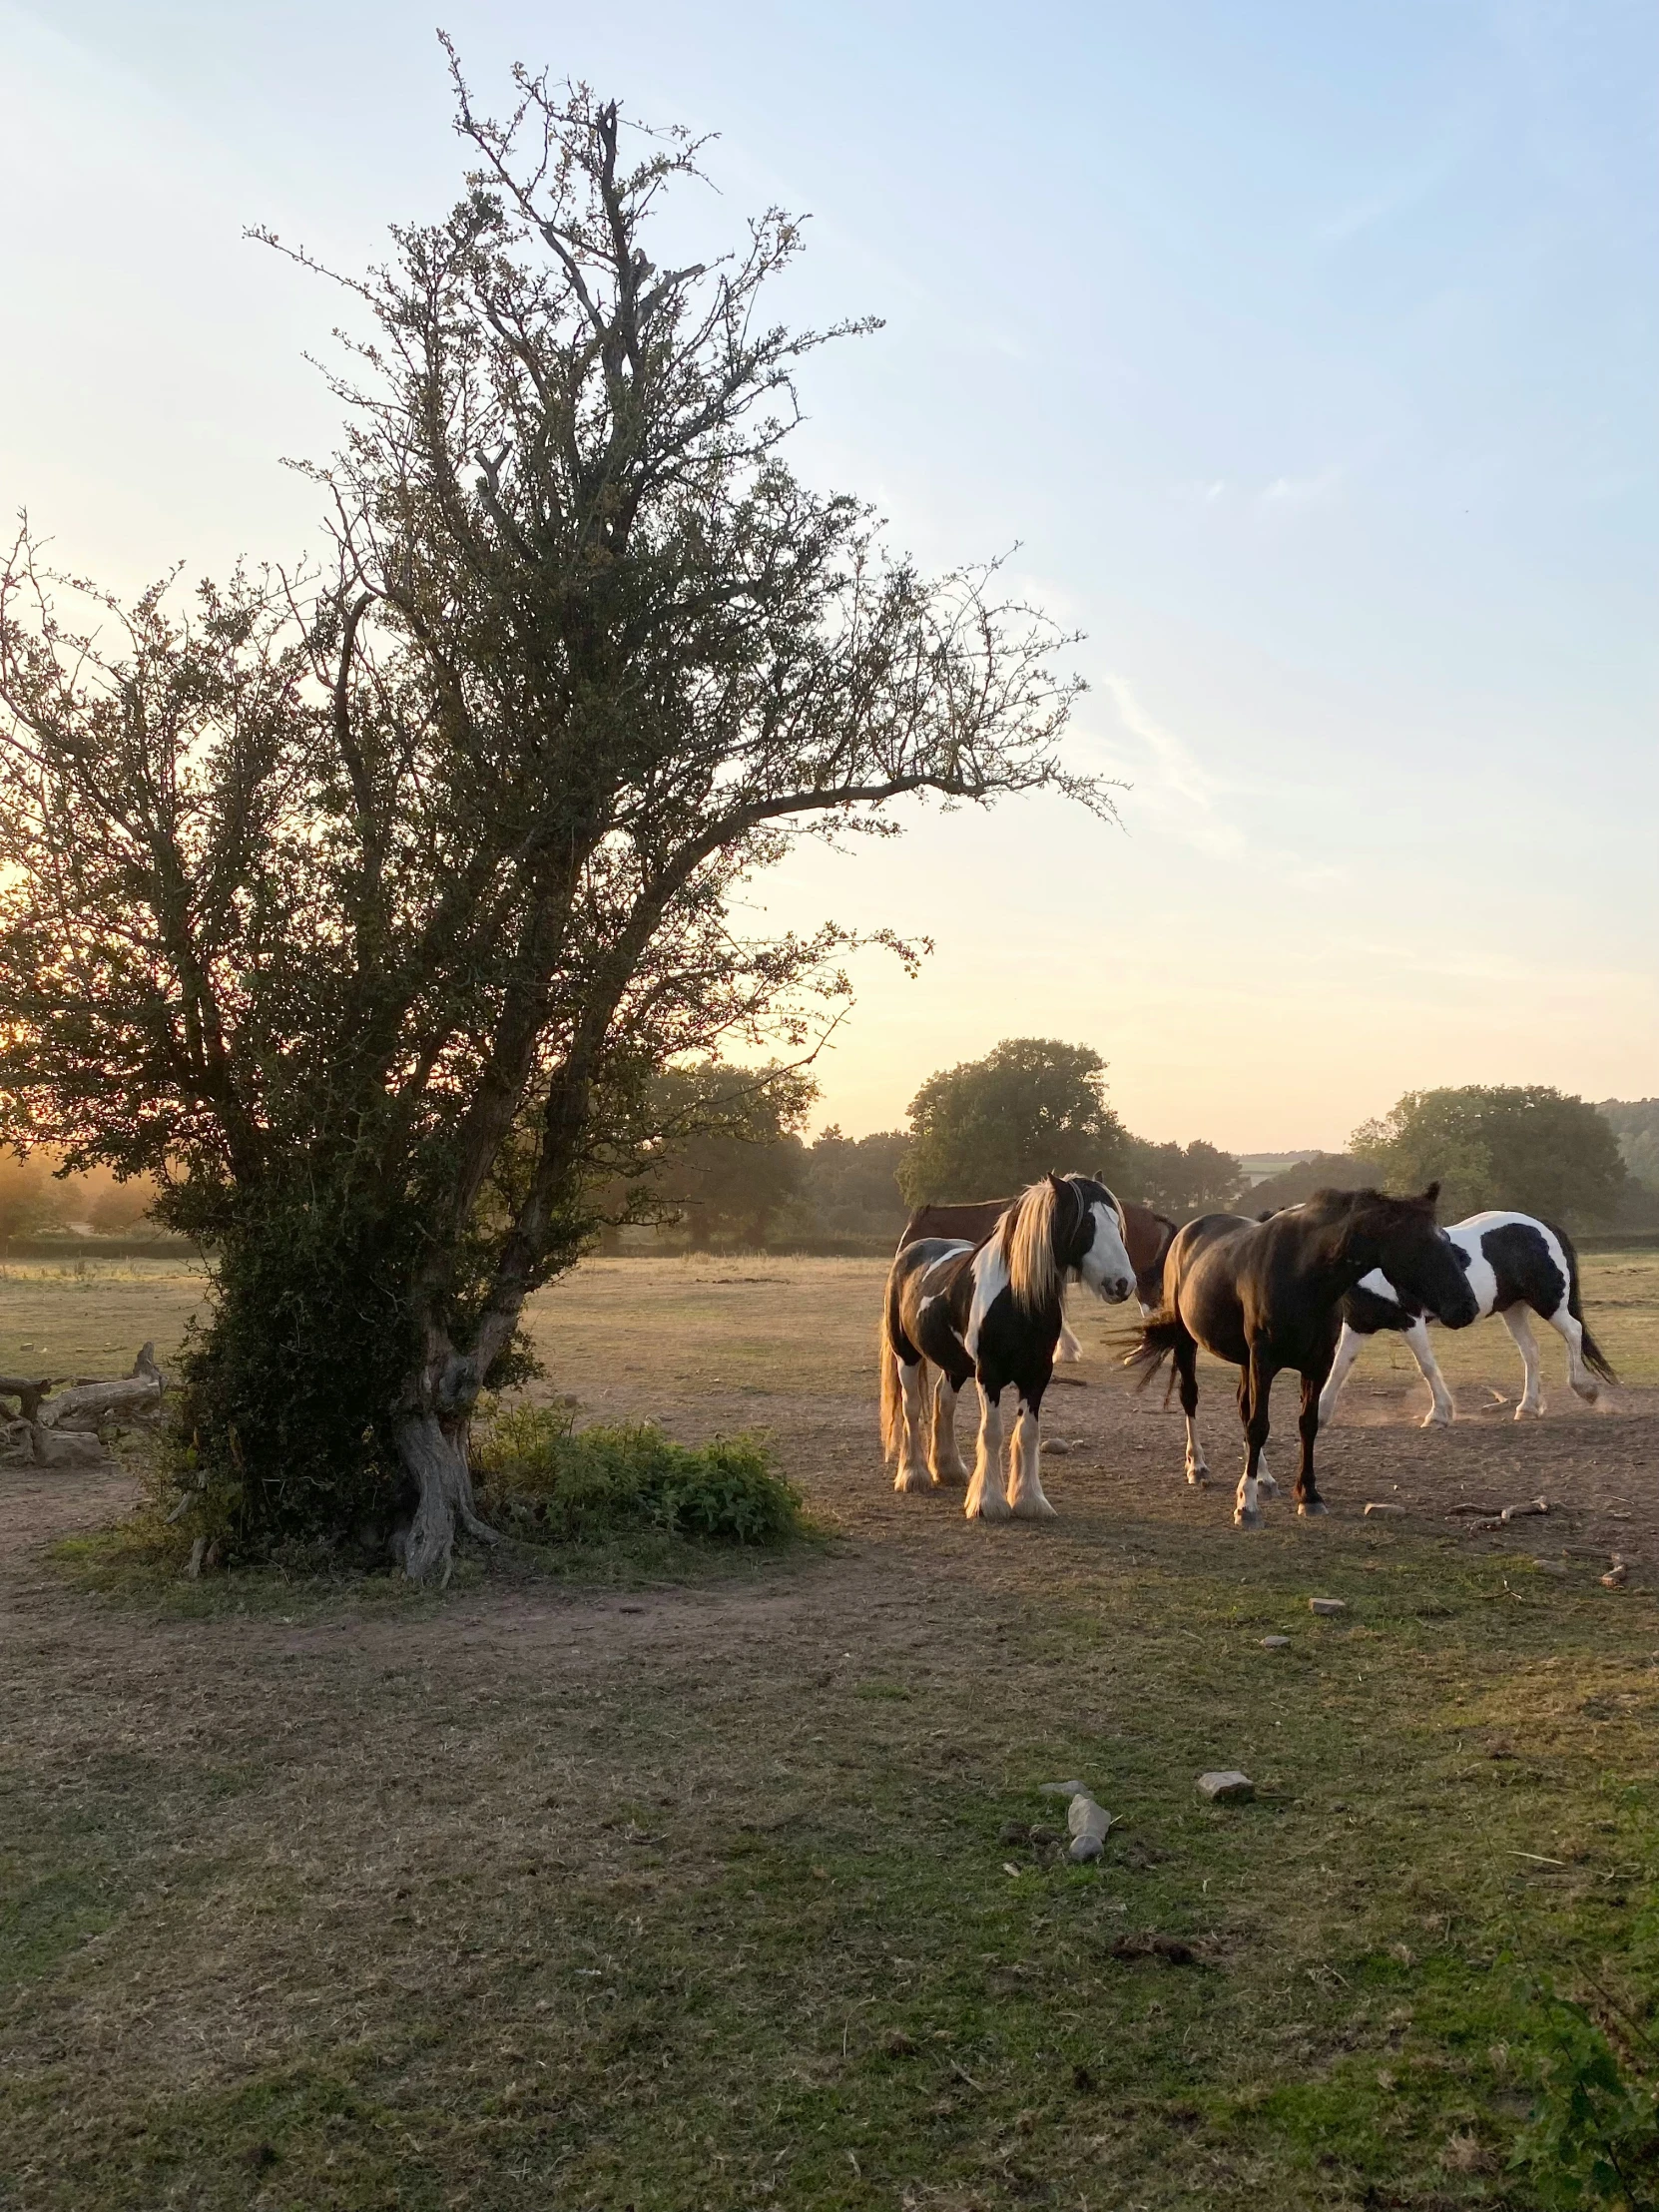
x,y
991,1312
1147,1236
1268,1294
1517,1265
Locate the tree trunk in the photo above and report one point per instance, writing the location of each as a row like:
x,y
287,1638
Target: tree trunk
x,y
433,1449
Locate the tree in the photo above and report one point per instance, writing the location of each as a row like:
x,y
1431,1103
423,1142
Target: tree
x,y
29,1198
1522,1146
852,1182
1182,1180
1635,1123
362,908
991,1126
729,1159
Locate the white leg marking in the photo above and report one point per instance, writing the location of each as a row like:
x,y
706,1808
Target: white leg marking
x,y
1347,1351
1025,1491
1520,1325
947,1459
1068,1348
912,1465
1246,1511
985,1499
1440,1413
1198,1468
1266,1487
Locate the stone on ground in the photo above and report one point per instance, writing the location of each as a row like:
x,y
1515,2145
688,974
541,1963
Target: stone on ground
x,y
1227,1787
1327,1605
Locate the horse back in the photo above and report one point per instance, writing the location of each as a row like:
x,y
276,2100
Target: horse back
x,y
972,1224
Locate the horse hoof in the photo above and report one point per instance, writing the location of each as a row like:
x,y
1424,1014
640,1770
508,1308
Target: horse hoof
x,y
912,1479
987,1509
1247,1516
1198,1477
1524,1412
1437,1421
1266,1487
1036,1508
1310,1508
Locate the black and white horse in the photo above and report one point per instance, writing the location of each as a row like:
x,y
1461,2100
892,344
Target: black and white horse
x,y
1516,1266
1268,1294
991,1310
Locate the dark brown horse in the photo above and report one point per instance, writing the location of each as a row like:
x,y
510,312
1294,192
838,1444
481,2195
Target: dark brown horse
x,y
1268,1294
1147,1236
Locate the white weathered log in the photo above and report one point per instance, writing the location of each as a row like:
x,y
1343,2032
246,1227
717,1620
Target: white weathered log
x,y
90,1405
67,1448
27,1390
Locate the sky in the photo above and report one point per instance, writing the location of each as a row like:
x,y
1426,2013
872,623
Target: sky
x,y
1307,356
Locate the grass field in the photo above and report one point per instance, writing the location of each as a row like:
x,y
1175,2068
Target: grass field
x,y
717,1891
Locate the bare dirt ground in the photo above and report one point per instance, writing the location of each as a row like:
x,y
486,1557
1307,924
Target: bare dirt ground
x,y
695,1896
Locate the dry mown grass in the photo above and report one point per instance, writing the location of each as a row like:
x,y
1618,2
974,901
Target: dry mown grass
x,y
698,1896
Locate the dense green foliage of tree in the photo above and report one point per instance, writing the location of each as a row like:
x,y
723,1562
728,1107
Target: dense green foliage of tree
x,y
990,1126
30,1199
1181,1180
1522,1146
730,1161
365,908
1031,1105
852,1182
1635,1123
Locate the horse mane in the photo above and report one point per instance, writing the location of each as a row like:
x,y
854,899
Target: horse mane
x,y
1368,1208
1028,1245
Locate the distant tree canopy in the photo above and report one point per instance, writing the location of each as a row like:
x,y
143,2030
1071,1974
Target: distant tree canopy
x,y
1635,1123
1181,1180
29,1199
991,1126
852,1182
729,1160
988,1127
1523,1146
1326,1171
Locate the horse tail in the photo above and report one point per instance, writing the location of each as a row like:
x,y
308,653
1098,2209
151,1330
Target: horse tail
x,y
1590,1350
892,1403
1160,1334
1028,1245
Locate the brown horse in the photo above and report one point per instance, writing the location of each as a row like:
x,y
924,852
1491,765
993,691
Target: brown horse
x,y
1269,1295
1147,1236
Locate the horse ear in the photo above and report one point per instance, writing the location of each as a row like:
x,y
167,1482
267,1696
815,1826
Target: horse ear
x,y
1054,1179
1431,1196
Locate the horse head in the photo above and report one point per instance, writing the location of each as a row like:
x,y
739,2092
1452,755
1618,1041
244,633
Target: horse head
x,y
1090,1237
1412,1251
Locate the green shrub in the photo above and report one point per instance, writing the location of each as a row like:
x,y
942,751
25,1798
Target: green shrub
x,y
1594,2137
543,1480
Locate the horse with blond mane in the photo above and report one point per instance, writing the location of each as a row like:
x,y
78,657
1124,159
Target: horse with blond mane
x,y
991,1310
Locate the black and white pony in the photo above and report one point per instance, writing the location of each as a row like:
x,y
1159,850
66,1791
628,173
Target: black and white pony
x,y
1516,1266
991,1310
1268,1294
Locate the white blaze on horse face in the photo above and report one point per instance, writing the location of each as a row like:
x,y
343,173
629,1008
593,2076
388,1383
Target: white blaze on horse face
x,y
990,1279
1105,1267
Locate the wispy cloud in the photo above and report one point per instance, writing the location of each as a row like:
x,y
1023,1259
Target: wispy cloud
x,y
1406,188
1304,491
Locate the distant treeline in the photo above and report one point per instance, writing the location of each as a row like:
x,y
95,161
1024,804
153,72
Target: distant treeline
x,y
729,1164
741,1172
